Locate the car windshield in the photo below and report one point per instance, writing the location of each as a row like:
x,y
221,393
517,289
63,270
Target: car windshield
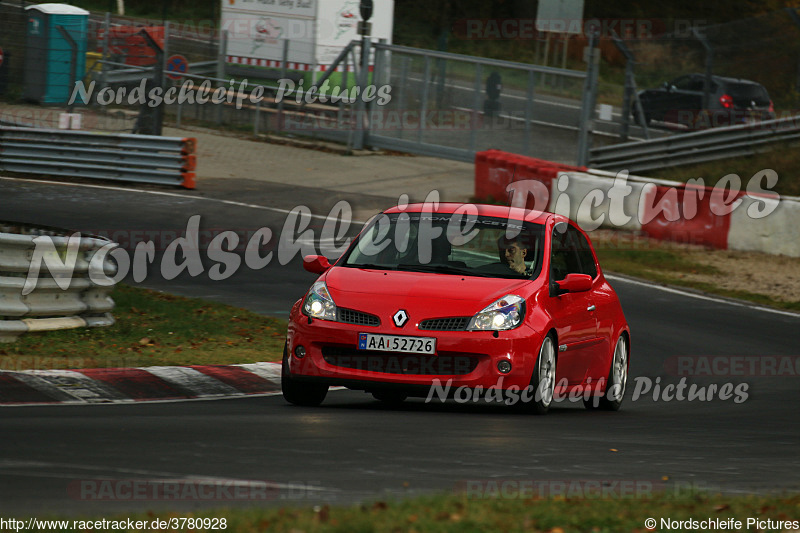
x,y
450,244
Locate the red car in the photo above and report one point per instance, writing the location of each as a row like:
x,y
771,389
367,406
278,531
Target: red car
x,y
461,300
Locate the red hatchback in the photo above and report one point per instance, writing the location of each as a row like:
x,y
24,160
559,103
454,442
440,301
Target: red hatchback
x,y
459,300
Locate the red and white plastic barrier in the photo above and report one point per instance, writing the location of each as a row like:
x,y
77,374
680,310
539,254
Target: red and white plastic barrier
x,y
776,233
722,217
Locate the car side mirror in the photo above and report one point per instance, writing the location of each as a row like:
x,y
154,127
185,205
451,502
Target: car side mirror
x,y
316,264
575,283
667,86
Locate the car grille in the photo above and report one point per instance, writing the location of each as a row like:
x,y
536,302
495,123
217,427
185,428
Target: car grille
x,y
349,316
457,323
399,363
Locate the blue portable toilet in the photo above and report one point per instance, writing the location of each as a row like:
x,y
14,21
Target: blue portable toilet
x,y
57,38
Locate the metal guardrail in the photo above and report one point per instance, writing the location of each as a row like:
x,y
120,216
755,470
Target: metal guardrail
x,y
443,107
129,74
49,307
80,154
695,147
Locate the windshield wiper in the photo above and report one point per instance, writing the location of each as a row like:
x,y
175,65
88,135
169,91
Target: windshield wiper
x,y
441,269
372,266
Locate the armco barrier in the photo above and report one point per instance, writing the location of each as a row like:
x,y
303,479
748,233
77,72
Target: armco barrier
x,y
49,307
697,147
81,154
664,210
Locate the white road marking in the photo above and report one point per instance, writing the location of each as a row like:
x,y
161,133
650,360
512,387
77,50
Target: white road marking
x,y
690,294
29,468
161,193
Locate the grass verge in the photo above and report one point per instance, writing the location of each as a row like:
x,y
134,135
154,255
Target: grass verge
x,y
154,328
458,513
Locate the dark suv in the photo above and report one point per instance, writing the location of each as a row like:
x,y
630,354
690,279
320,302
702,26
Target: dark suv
x,y
731,101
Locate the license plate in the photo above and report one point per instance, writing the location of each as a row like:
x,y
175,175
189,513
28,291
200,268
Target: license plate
x,y
396,343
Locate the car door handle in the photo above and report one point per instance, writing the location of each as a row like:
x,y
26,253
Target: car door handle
x,y
591,308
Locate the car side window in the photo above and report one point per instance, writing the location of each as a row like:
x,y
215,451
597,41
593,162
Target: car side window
x,y
683,83
697,84
564,253
585,256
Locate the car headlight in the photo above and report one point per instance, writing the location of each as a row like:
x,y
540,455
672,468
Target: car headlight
x,y
318,303
505,313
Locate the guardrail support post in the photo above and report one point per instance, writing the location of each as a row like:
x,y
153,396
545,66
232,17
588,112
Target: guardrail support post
x,y
630,97
476,105
587,106
284,66
106,37
222,58
377,81
529,112
424,104
792,11
709,66
157,114
362,124
401,98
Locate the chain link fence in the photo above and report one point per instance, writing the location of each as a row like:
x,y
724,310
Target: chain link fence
x,y
421,101
12,43
764,49
121,53
453,104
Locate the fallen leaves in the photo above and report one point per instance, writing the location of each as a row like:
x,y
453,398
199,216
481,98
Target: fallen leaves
x,y
448,516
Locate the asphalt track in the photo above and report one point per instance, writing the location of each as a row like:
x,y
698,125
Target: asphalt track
x,y
353,448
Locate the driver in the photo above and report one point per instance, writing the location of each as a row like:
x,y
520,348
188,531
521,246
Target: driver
x,y
512,252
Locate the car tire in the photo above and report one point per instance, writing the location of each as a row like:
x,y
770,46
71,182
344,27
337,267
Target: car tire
x,y
543,378
299,393
617,380
390,397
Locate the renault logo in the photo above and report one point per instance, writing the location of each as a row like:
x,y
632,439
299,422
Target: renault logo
x,y
400,318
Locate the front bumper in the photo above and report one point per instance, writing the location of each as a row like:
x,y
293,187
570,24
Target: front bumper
x,y
463,358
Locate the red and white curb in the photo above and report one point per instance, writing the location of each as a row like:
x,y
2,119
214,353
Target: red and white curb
x,y
129,385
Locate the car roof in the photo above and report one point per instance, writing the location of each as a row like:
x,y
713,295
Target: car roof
x,y
728,79
498,211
